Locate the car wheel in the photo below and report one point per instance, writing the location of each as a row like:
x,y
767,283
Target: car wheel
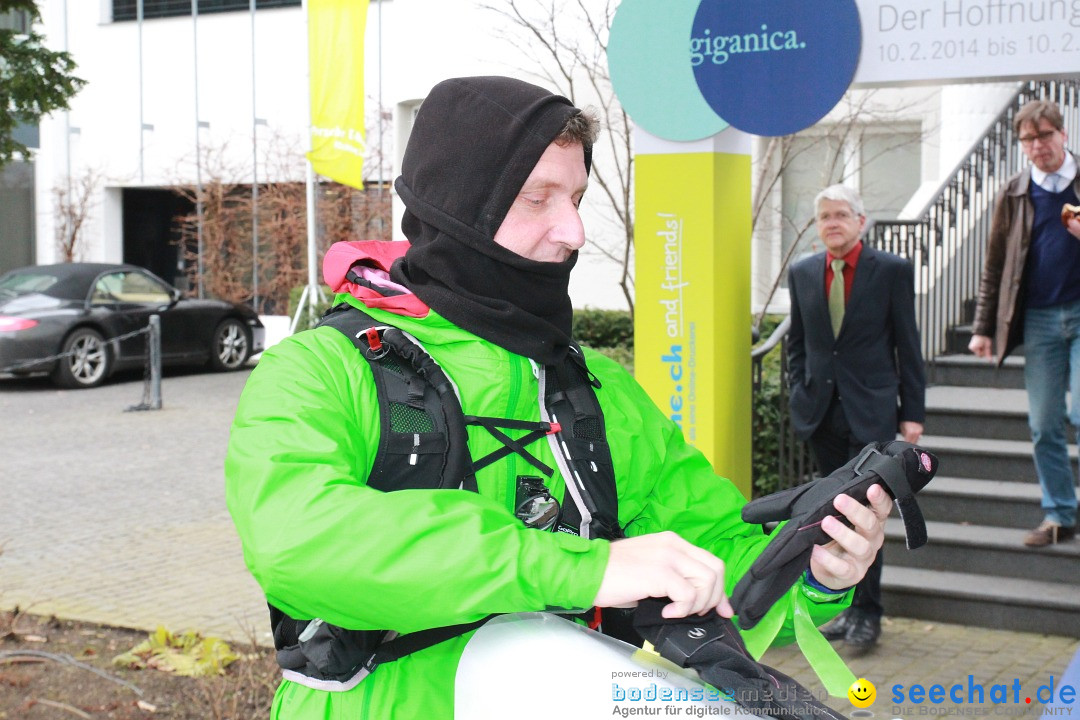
x,y
232,345
86,361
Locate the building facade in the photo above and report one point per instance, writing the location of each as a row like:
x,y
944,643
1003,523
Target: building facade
x,y
175,100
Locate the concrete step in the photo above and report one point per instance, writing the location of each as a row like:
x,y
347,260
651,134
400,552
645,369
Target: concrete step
x,y
966,369
965,598
990,413
985,459
983,550
982,502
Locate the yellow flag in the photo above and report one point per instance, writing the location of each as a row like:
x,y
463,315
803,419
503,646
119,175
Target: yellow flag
x,y
336,63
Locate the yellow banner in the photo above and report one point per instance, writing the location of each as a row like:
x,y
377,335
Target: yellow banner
x,y
692,308
336,65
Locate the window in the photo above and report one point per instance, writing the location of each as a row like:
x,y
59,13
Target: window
x,y
815,163
887,162
129,287
129,9
17,20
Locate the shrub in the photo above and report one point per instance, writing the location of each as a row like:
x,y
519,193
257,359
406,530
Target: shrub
x,y
604,328
769,402
609,332
309,317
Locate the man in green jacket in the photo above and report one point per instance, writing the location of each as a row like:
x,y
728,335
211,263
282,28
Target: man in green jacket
x,y
492,178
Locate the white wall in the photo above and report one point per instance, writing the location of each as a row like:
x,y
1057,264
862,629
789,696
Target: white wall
x,y
426,41
106,113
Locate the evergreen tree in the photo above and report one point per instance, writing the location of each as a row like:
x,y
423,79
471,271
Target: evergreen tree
x,y
34,80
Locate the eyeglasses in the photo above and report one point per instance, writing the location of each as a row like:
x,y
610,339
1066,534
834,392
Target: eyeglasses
x,y
535,506
1041,137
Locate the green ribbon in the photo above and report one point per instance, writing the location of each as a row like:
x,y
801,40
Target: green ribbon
x,y
829,667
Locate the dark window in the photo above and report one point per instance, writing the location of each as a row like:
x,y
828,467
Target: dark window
x,y
128,9
29,134
17,210
17,20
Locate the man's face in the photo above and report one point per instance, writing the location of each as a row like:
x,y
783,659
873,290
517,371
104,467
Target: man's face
x,y
543,224
1043,144
838,227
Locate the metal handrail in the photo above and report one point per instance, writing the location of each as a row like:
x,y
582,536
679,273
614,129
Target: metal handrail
x,y
774,339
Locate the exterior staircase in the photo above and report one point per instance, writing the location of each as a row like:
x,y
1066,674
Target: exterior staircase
x,y
975,569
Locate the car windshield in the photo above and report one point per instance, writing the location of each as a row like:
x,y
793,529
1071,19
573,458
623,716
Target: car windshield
x,y
25,282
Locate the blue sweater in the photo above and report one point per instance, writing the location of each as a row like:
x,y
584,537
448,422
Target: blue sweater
x,y
1052,273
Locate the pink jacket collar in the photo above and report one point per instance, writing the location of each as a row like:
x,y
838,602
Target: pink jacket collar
x,y
372,260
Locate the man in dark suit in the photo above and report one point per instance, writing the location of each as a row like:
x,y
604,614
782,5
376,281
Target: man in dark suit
x,y
853,351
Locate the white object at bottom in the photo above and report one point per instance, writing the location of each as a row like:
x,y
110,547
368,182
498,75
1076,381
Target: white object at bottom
x,y
537,665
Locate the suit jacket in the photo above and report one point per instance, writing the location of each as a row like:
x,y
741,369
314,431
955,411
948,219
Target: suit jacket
x,y
873,362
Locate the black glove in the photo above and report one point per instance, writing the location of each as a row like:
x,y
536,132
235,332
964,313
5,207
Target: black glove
x,y
901,468
712,646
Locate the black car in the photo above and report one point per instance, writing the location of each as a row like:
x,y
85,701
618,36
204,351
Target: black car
x,y
80,322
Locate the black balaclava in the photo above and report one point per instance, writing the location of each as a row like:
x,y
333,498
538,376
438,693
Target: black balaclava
x,y
474,143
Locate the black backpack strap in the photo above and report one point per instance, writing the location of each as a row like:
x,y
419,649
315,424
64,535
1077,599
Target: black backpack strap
x,y
403,645
423,442
570,403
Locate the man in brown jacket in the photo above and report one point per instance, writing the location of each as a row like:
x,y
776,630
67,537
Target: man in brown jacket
x,y
1030,294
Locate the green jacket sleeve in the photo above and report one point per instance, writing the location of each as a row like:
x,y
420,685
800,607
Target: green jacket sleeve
x,y
322,544
667,484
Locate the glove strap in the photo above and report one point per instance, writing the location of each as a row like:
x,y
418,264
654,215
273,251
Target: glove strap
x,y
890,469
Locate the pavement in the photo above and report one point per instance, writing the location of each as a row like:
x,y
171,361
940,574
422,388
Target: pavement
x,y
118,517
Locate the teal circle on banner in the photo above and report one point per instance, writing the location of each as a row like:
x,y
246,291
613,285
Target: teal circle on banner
x,y
686,69
648,57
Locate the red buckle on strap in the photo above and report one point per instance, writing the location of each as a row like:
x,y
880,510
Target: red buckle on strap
x,y
373,339
554,428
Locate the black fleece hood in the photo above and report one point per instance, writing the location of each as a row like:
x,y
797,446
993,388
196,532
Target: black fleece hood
x,y
474,143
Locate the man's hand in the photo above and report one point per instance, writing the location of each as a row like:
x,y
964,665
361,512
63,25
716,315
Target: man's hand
x,y
911,431
843,562
982,346
1073,226
664,565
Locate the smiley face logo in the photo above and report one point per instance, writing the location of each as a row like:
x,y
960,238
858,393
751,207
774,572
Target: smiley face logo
x,y
862,693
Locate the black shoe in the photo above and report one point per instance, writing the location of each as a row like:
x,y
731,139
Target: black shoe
x,y
838,628
863,631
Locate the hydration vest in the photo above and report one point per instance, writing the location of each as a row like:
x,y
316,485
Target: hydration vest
x,y
423,444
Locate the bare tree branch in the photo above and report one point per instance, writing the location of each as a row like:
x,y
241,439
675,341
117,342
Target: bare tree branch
x,y
72,203
344,213
566,40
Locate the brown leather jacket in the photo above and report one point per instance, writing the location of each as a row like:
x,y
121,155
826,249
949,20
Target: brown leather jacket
x,y
1000,308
